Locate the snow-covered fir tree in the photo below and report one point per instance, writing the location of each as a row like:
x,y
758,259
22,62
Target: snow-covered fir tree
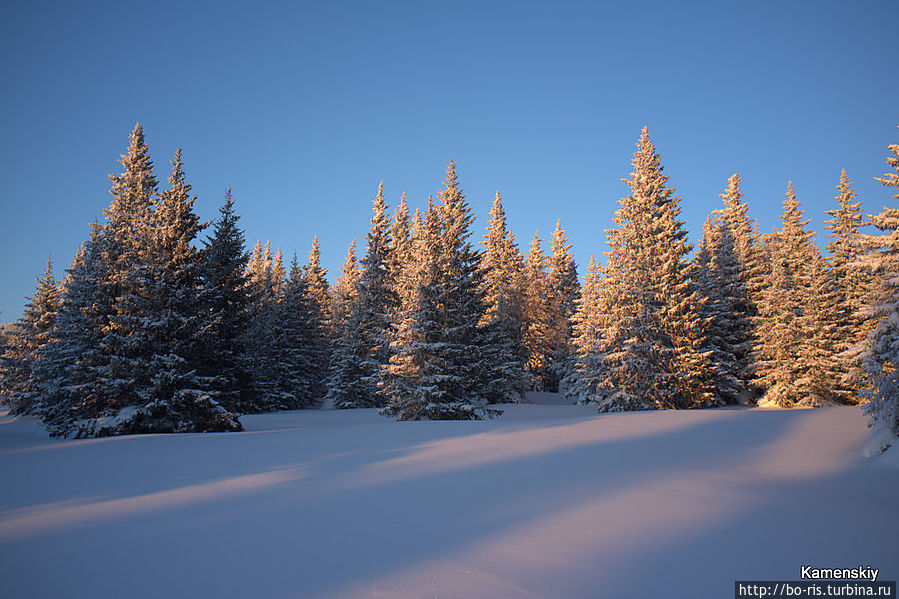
x,y
262,338
177,399
564,290
345,291
537,315
651,352
793,358
115,379
124,356
852,282
881,355
416,367
19,388
586,380
70,369
294,353
728,269
343,374
317,285
363,350
226,298
503,268
126,339
440,368
721,283
401,253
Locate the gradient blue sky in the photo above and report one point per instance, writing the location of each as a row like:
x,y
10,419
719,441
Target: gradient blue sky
x,y
303,107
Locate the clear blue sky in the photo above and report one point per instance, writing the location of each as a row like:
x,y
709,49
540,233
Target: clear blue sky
x,y
303,107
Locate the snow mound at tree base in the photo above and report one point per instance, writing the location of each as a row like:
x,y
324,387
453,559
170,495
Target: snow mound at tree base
x,y
190,412
882,441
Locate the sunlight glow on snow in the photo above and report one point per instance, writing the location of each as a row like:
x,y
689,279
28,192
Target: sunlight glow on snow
x,y
55,517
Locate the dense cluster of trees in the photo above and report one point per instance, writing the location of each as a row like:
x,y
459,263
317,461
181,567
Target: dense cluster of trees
x,y
154,329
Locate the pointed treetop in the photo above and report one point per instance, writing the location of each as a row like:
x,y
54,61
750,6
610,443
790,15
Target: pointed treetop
x,y
401,214
228,206
349,262
379,206
497,209
791,195
452,180
296,273
315,254
496,226
133,189
732,194
536,258
559,239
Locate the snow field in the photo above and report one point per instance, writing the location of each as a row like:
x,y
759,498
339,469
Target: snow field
x,y
547,501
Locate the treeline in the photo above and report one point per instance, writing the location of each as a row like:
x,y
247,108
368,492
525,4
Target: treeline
x,y
153,330
750,317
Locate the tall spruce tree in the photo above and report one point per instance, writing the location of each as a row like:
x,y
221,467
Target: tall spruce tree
x,y
319,295
416,365
361,353
262,338
564,290
106,390
123,357
720,280
728,270
178,399
441,364
537,319
317,284
503,317
852,283
70,369
225,300
345,292
652,349
344,373
881,354
587,379
793,361
126,340
293,368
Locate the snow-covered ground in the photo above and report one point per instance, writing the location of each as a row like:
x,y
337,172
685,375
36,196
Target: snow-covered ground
x,y
547,501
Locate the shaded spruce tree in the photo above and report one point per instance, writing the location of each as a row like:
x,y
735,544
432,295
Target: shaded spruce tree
x,y
226,297
440,364
727,261
563,288
363,350
19,384
586,380
881,350
343,375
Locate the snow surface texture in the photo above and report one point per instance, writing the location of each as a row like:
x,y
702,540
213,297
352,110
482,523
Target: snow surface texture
x,y
547,501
